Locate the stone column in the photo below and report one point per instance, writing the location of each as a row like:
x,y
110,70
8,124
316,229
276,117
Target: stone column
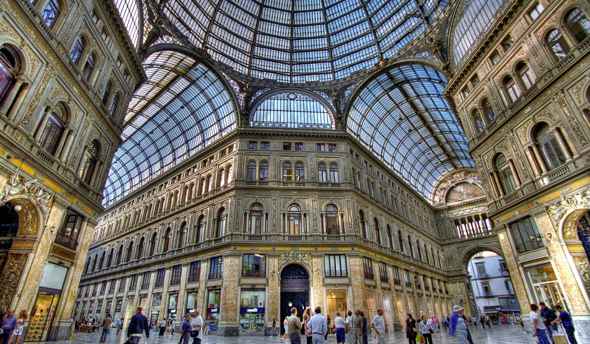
x,y
230,292
513,268
357,284
273,295
318,294
181,300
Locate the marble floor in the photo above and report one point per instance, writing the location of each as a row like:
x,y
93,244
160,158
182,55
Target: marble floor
x,y
495,335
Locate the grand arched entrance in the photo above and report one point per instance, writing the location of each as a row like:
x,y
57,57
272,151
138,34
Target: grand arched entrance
x,y
576,235
294,290
8,230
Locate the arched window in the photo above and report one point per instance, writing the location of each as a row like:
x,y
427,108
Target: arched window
x,y
255,219
52,132
221,222
94,264
50,13
89,67
511,88
334,173
504,172
114,104
167,236
377,231
77,49
363,224
9,67
180,236
251,171
557,43
287,171
526,75
478,122
331,218
129,252
139,252
90,162
200,229
263,171
548,145
107,92
322,172
294,224
153,244
119,254
299,172
578,24
487,110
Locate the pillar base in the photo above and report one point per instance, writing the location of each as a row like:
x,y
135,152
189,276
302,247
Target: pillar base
x,y
61,330
228,330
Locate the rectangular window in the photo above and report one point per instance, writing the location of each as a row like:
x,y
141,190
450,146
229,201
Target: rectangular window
x,y
287,146
252,145
485,287
69,231
507,43
253,265
264,145
103,287
383,275
320,147
145,282
535,11
408,278
194,271
396,276
331,147
525,235
160,278
112,286
299,146
481,268
335,265
368,268
122,284
215,268
175,275
133,283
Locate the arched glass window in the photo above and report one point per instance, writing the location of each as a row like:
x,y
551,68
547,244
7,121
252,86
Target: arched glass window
x,y
167,236
377,232
334,173
511,88
557,43
139,252
299,172
221,222
251,171
89,67
52,132
294,224
255,219
50,13
77,49
487,110
91,156
180,236
129,252
8,71
291,110
153,244
114,104
287,171
478,122
578,24
200,229
331,218
322,172
526,75
505,176
548,146
119,254
263,171
363,224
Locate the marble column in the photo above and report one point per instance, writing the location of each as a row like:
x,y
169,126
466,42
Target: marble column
x,y
230,293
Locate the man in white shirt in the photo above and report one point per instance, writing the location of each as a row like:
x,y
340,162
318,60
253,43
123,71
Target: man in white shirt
x,y
539,328
378,325
340,325
197,325
318,327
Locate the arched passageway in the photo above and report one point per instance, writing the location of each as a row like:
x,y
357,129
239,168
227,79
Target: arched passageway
x,y
294,290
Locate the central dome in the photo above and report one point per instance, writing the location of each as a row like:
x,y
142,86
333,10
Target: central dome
x,y
295,41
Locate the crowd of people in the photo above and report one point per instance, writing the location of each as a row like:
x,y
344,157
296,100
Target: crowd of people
x,y
552,326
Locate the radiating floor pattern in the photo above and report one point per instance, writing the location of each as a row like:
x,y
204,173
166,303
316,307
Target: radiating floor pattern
x,y
495,335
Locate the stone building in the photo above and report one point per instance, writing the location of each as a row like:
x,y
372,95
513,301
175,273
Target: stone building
x,y
242,157
67,71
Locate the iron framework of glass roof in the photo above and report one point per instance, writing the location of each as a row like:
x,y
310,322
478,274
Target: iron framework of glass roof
x,y
403,117
291,110
181,108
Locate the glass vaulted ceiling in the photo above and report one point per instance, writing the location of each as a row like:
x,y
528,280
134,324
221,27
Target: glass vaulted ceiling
x,y
181,108
403,117
295,41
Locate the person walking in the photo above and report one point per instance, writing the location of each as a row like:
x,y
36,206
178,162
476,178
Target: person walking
x,y
549,317
378,325
411,329
458,325
425,329
349,325
358,327
329,325
365,328
137,326
565,319
185,329
294,327
539,327
318,326
306,330
162,327
197,327
8,325
340,326
119,325
18,335
106,325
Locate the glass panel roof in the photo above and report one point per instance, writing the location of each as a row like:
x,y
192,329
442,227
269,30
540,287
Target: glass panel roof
x,y
129,13
301,40
478,16
181,108
291,110
403,117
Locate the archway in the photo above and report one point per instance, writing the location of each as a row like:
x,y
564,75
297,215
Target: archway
x,y
490,290
8,230
576,235
294,290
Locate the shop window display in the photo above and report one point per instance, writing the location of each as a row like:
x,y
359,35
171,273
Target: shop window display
x,y
252,310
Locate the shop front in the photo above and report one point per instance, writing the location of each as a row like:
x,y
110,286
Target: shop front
x,y
171,309
213,309
544,285
191,301
155,309
252,310
336,302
